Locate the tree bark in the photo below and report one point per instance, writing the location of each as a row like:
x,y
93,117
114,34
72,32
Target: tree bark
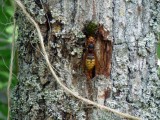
x,y
126,73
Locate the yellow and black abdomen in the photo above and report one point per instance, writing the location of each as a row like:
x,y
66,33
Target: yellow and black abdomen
x,y
90,62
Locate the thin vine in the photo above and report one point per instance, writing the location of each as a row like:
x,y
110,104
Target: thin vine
x,y
11,67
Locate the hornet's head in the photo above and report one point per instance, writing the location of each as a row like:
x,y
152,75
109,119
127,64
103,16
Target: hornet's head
x,y
91,40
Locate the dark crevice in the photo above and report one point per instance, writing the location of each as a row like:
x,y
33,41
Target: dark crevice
x,y
74,12
42,109
46,84
107,93
128,99
64,50
27,94
68,116
129,93
48,17
113,42
30,108
38,2
118,92
88,112
48,29
61,4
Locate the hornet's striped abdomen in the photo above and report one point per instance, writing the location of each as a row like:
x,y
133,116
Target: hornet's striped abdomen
x,y
90,62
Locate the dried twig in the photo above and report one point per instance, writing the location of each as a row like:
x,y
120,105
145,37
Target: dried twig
x,y
11,68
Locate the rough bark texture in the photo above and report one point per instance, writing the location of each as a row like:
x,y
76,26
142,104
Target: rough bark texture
x,y
133,85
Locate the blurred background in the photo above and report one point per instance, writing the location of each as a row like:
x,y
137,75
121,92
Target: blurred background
x,y
6,30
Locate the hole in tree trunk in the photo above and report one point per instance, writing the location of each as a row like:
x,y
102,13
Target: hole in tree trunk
x,y
97,52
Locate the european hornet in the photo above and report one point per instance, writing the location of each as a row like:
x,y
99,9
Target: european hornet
x,y
90,58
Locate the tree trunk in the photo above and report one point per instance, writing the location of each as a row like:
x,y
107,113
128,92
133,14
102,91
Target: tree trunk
x,y
125,73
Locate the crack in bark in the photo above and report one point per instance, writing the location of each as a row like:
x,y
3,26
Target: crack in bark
x,y
74,12
41,111
45,85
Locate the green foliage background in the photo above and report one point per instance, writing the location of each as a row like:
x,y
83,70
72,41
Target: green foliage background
x,y
6,30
